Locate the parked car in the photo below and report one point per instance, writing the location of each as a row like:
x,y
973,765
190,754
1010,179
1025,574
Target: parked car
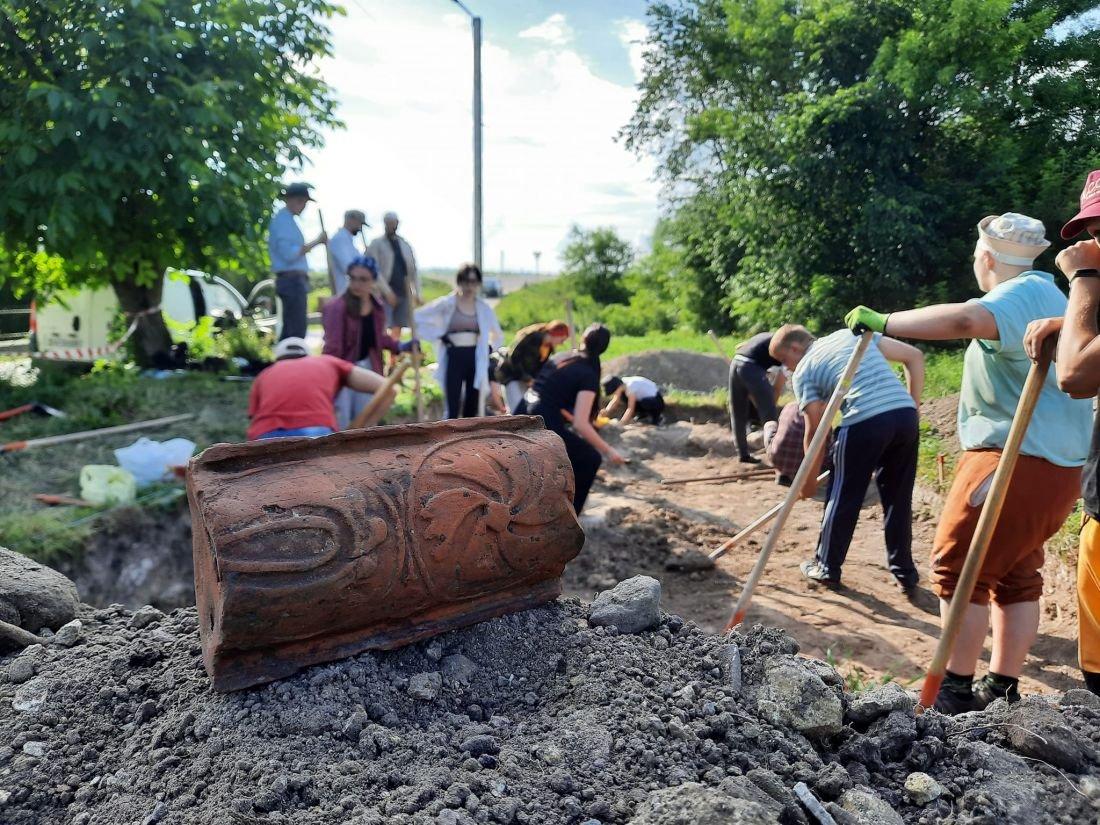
x,y
492,287
75,325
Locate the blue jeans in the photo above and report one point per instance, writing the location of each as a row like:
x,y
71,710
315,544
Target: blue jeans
x,y
309,432
293,290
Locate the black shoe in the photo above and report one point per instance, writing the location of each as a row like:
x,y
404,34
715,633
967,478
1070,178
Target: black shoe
x,y
784,481
748,459
950,703
1092,681
813,571
985,692
907,586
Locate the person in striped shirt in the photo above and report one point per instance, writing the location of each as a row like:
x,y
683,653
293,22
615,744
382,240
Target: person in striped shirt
x,y
877,438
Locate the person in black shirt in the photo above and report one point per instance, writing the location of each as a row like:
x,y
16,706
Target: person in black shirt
x,y
565,393
749,385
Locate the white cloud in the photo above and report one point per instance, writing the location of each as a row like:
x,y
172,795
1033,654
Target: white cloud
x,y
553,30
550,157
632,34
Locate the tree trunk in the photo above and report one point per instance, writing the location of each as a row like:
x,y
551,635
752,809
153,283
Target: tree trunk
x,y
151,336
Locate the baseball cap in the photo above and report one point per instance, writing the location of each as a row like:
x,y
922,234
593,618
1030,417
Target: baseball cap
x,y
390,216
1013,238
291,348
295,190
1090,206
356,214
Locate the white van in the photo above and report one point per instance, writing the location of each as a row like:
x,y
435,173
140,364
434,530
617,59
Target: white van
x,y
76,324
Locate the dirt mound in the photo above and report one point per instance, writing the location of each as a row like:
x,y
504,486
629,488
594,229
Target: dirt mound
x,y
942,415
537,717
673,368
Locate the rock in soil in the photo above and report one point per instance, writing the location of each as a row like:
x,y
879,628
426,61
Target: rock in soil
x,y
632,606
539,718
33,596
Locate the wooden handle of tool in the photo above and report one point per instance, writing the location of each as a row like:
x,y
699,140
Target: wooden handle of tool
x,y
410,296
328,257
387,385
22,408
817,444
755,525
760,471
714,339
569,320
987,523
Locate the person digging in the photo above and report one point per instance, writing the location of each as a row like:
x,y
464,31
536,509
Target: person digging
x,y
877,437
1045,483
1078,370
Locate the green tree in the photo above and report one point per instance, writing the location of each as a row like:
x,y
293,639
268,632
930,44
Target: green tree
x,y
598,259
832,152
150,133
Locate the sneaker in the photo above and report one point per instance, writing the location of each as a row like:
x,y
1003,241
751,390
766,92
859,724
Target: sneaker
x,y
907,586
748,459
950,703
985,692
784,480
813,571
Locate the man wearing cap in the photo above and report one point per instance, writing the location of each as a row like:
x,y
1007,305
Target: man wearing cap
x,y
1046,481
287,247
343,250
294,396
1078,370
396,267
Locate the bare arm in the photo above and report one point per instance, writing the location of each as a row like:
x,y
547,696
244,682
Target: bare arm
x,y
812,416
612,402
780,383
943,322
363,380
1078,358
582,426
631,406
911,360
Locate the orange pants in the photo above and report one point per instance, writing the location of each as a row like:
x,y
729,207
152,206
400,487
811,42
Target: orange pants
x,y
1088,596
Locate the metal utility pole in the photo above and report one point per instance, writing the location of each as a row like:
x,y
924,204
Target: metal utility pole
x,y
538,255
476,21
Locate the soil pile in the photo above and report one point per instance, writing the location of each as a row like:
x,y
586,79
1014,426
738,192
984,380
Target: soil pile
x,y
681,369
538,717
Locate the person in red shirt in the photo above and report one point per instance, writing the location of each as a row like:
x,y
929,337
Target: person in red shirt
x,y
293,397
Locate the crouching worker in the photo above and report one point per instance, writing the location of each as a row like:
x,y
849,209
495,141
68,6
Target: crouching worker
x,y
642,397
1046,481
877,437
294,396
1078,366
520,364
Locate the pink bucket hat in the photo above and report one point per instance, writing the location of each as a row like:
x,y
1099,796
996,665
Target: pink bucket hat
x,y
1013,238
1090,206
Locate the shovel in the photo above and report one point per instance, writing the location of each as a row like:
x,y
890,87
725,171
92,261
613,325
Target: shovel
x,y
987,523
817,444
34,407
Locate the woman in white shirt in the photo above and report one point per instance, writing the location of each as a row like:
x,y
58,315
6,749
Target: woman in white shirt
x,y
463,329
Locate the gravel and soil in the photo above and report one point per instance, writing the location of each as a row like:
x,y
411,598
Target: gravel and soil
x,y
538,717
673,368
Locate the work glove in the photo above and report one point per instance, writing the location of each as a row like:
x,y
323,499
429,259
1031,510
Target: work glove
x,y
410,346
863,318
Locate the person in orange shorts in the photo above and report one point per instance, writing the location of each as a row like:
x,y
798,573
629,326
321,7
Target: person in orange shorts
x,y
1078,368
1044,485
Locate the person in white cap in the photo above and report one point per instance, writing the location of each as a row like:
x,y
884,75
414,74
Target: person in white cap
x,y
396,267
343,250
294,396
1046,482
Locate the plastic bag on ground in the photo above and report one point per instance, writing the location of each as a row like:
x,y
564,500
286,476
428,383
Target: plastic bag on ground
x,y
106,484
151,461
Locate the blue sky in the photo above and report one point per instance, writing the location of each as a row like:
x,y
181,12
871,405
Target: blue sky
x,y
559,82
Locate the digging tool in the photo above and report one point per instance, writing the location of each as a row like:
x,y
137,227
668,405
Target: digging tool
x,y
328,256
50,440
714,339
393,378
987,523
34,407
569,320
817,444
761,471
307,551
418,356
755,525
58,500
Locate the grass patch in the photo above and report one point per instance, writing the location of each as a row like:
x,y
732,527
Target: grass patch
x,y
44,535
942,372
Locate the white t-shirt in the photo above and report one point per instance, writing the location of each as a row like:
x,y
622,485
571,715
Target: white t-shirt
x,y
641,388
343,250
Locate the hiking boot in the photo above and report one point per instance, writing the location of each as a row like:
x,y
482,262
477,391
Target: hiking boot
x,y
950,703
985,691
784,480
814,571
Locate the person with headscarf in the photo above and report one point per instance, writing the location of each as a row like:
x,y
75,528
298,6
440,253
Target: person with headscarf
x,y
565,395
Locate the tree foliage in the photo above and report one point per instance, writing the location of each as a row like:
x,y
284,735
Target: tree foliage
x,y
598,259
150,133
823,153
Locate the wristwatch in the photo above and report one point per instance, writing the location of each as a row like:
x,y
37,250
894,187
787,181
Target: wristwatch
x,y
1085,273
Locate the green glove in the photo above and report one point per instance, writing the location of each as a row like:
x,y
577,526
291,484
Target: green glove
x,y
863,318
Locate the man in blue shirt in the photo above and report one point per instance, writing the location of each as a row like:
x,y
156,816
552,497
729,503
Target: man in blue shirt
x,y
287,247
1046,481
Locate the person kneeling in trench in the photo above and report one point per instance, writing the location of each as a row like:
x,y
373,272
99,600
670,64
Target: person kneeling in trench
x,y
294,396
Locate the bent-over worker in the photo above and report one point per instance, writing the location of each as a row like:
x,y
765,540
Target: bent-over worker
x,y
643,398
749,386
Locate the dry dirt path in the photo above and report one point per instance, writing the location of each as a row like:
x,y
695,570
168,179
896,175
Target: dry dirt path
x,y
634,523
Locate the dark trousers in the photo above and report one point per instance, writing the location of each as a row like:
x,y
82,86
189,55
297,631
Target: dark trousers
x,y
461,372
586,461
749,383
883,447
293,290
651,408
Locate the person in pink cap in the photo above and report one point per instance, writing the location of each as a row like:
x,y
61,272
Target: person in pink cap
x,y
1078,369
